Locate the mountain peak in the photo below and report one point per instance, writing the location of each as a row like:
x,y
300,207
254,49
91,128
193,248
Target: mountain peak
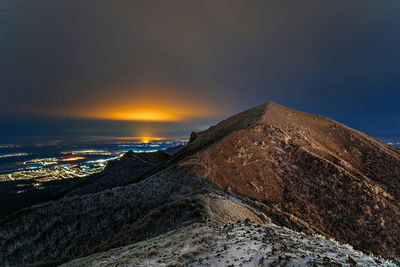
x,y
302,164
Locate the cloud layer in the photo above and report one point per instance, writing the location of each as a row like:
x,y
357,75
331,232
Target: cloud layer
x,y
199,60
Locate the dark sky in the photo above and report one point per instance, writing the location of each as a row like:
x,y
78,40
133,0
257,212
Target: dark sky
x,y
74,69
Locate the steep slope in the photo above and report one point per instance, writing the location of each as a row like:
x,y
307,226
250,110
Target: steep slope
x,y
306,172
119,172
240,244
173,150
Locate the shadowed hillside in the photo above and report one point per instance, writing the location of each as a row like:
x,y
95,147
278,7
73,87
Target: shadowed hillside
x,y
120,172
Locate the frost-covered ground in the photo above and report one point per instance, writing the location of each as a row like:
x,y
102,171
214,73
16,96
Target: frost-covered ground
x,y
241,244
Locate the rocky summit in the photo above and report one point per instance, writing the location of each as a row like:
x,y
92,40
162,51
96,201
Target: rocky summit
x,y
272,167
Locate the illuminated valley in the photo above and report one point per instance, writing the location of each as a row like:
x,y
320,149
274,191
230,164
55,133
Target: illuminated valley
x,y
77,163
51,169
36,173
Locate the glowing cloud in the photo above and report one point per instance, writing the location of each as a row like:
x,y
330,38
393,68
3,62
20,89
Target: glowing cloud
x,y
149,103
140,114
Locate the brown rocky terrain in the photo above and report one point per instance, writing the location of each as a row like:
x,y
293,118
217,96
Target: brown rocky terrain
x,y
269,163
307,172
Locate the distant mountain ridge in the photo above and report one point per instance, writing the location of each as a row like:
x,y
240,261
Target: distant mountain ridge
x,y
267,164
126,169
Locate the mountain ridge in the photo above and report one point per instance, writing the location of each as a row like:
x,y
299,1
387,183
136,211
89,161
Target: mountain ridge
x,y
298,146
295,169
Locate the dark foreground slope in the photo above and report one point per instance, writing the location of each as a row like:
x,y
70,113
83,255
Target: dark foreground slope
x,y
120,172
300,170
78,225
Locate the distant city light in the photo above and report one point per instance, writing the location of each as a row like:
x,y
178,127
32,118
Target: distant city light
x,y
72,159
75,163
14,155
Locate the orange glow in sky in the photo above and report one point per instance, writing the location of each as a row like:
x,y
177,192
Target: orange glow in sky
x,y
153,103
142,114
146,140
149,113
142,139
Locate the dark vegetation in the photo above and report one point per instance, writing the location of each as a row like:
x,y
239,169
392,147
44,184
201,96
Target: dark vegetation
x,y
10,201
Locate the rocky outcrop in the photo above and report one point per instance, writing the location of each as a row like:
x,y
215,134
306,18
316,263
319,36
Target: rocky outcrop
x,y
193,136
